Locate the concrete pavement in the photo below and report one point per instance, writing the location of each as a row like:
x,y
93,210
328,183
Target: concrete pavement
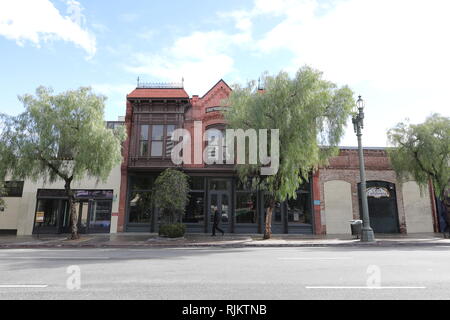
x,y
148,240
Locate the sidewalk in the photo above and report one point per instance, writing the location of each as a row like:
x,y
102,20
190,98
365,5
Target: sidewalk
x,y
148,240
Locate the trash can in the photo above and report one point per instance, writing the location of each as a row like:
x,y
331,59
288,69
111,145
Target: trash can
x,y
356,226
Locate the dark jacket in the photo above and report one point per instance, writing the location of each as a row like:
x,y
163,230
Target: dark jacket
x,y
216,217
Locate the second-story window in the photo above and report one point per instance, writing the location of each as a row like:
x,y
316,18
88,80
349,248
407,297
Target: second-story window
x,y
169,143
143,142
157,140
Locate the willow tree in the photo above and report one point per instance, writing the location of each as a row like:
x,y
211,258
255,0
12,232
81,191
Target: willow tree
x,y
2,194
60,137
310,113
422,152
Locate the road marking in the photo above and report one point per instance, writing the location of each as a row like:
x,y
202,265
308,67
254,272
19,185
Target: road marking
x,y
23,285
318,258
56,258
366,287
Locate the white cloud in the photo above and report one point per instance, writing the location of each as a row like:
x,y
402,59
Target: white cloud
x,y
39,21
395,53
201,58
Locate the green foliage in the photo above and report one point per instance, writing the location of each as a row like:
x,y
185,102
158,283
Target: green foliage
x,y
176,230
171,194
422,152
60,136
2,193
309,112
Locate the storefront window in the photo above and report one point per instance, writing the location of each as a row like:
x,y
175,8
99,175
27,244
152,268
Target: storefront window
x,y
218,185
277,213
140,207
50,209
299,210
141,183
197,183
194,212
139,201
101,215
246,207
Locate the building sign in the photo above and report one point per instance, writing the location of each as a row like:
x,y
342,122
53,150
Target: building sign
x,y
39,216
378,192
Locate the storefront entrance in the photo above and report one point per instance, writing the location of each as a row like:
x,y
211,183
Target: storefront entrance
x,y
220,201
382,202
93,208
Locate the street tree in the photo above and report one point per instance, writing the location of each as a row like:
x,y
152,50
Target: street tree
x,y
310,113
2,194
171,194
60,137
422,152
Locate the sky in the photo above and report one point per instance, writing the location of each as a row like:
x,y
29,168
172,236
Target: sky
x,y
396,54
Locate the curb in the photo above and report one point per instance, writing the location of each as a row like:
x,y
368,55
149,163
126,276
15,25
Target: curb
x,y
223,245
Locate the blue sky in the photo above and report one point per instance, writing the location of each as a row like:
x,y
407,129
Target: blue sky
x,y
394,53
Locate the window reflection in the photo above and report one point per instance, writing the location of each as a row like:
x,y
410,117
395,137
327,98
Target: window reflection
x,y
195,209
49,208
246,207
140,207
299,210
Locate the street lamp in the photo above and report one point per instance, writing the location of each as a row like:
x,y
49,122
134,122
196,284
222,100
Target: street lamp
x,y
358,123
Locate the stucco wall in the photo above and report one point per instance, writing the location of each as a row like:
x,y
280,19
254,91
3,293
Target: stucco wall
x,y
338,206
8,217
20,211
418,212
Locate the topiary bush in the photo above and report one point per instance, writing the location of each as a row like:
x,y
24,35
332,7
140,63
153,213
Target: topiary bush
x,y
171,194
175,230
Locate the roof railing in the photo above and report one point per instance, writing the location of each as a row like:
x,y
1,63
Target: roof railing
x,y
160,85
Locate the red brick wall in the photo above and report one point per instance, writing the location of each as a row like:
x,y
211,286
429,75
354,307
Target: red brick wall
x,y
345,167
124,169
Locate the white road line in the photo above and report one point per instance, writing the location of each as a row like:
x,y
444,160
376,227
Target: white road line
x,y
55,258
366,287
23,285
317,258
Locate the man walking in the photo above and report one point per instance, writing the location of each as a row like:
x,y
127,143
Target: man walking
x,y
216,222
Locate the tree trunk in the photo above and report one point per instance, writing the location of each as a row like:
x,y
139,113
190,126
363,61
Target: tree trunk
x,y
268,228
73,214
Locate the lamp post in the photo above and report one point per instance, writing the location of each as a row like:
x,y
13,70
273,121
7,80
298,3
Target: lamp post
x,y
358,124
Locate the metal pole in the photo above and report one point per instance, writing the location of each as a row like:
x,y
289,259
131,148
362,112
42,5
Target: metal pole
x,y
367,234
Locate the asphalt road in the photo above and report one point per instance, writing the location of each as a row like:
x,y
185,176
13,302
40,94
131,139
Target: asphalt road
x,y
226,273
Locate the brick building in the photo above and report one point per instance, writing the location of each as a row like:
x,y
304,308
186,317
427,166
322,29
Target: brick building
x,y
324,205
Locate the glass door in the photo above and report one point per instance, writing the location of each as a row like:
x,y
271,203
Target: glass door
x,y
100,216
83,214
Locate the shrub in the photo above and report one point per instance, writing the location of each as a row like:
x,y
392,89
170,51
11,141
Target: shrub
x,y
171,194
175,230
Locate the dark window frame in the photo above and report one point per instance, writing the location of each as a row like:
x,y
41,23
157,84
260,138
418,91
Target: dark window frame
x,y
13,191
150,140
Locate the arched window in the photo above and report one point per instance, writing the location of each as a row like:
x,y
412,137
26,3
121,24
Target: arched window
x,y
216,144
